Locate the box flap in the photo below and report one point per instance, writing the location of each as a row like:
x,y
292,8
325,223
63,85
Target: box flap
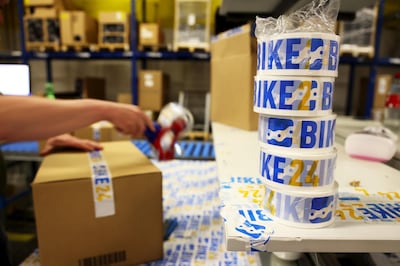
x,y
122,157
233,42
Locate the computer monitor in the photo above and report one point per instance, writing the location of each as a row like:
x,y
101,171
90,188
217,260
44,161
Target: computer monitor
x,y
15,79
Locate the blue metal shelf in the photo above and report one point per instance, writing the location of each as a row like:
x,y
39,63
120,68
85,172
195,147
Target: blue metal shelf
x,y
11,55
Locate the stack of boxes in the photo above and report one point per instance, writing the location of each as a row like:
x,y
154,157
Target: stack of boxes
x,y
293,91
114,31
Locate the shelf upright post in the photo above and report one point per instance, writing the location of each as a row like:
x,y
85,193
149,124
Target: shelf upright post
x,y
20,7
134,79
375,60
350,88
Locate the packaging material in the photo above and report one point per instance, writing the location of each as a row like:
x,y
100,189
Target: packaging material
x,y
113,28
152,89
77,28
150,34
124,98
91,87
102,131
233,52
99,208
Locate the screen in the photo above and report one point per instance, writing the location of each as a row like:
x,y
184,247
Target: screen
x,y
14,79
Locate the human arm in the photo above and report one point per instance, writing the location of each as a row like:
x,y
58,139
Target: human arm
x,y
69,141
32,118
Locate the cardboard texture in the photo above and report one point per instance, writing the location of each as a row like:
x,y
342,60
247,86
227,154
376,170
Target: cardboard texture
x,y
124,98
152,89
77,28
101,131
149,34
383,83
69,232
233,67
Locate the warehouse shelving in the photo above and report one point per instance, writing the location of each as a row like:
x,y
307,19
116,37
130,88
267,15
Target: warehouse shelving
x,y
134,56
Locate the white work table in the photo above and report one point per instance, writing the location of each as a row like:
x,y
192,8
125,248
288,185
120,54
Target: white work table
x,y
359,226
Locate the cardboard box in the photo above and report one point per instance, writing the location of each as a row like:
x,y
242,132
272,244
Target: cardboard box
x,y
77,28
124,98
91,87
102,131
152,89
78,219
383,83
149,34
233,67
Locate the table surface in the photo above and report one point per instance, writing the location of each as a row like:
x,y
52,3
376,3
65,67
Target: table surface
x,y
237,153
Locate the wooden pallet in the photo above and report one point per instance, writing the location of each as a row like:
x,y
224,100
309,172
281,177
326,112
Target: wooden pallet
x,y
42,46
357,51
79,47
153,48
113,47
191,48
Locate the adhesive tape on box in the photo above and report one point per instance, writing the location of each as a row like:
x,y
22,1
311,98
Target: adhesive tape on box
x,y
303,134
299,54
293,96
297,170
301,209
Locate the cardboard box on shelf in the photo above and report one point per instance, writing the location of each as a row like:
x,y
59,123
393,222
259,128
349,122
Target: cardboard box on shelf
x,y
91,87
149,34
104,207
152,89
383,83
233,67
124,97
77,28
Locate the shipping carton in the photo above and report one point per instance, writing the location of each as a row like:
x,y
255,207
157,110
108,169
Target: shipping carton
x,y
102,131
77,28
233,67
98,208
152,89
383,83
149,34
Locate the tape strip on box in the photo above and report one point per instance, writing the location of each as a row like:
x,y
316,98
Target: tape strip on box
x,y
297,170
303,134
299,54
301,209
293,96
103,194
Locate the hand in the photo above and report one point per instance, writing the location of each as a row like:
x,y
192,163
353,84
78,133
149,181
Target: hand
x,y
69,141
129,119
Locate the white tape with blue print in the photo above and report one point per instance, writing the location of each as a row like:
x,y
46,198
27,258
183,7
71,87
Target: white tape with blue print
x,y
299,54
299,133
297,170
293,96
301,209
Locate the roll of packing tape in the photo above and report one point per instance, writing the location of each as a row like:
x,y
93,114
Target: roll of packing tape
x,y
301,209
293,96
297,170
299,54
303,134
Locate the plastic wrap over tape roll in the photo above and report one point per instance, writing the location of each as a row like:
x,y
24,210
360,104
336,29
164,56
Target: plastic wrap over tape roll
x,y
298,133
297,170
293,96
301,209
299,54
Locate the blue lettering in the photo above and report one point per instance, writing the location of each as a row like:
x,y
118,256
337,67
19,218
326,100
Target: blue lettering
x,y
321,136
264,165
101,180
263,55
273,54
368,213
327,95
330,133
277,169
284,94
268,97
258,56
316,51
384,214
291,208
308,132
291,52
333,55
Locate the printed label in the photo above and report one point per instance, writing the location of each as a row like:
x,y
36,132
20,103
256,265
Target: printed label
x,y
103,194
297,53
293,95
297,172
298,209
297,133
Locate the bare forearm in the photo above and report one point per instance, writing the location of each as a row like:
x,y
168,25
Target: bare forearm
x,y
29,118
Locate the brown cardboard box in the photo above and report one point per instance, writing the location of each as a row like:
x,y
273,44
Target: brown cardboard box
x,y
101,131
91,87
124,98
113,30
233,67
149,34
152,88
78,219
77,28
383,84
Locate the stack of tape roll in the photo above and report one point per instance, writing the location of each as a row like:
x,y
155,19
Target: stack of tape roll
x,y
293,92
